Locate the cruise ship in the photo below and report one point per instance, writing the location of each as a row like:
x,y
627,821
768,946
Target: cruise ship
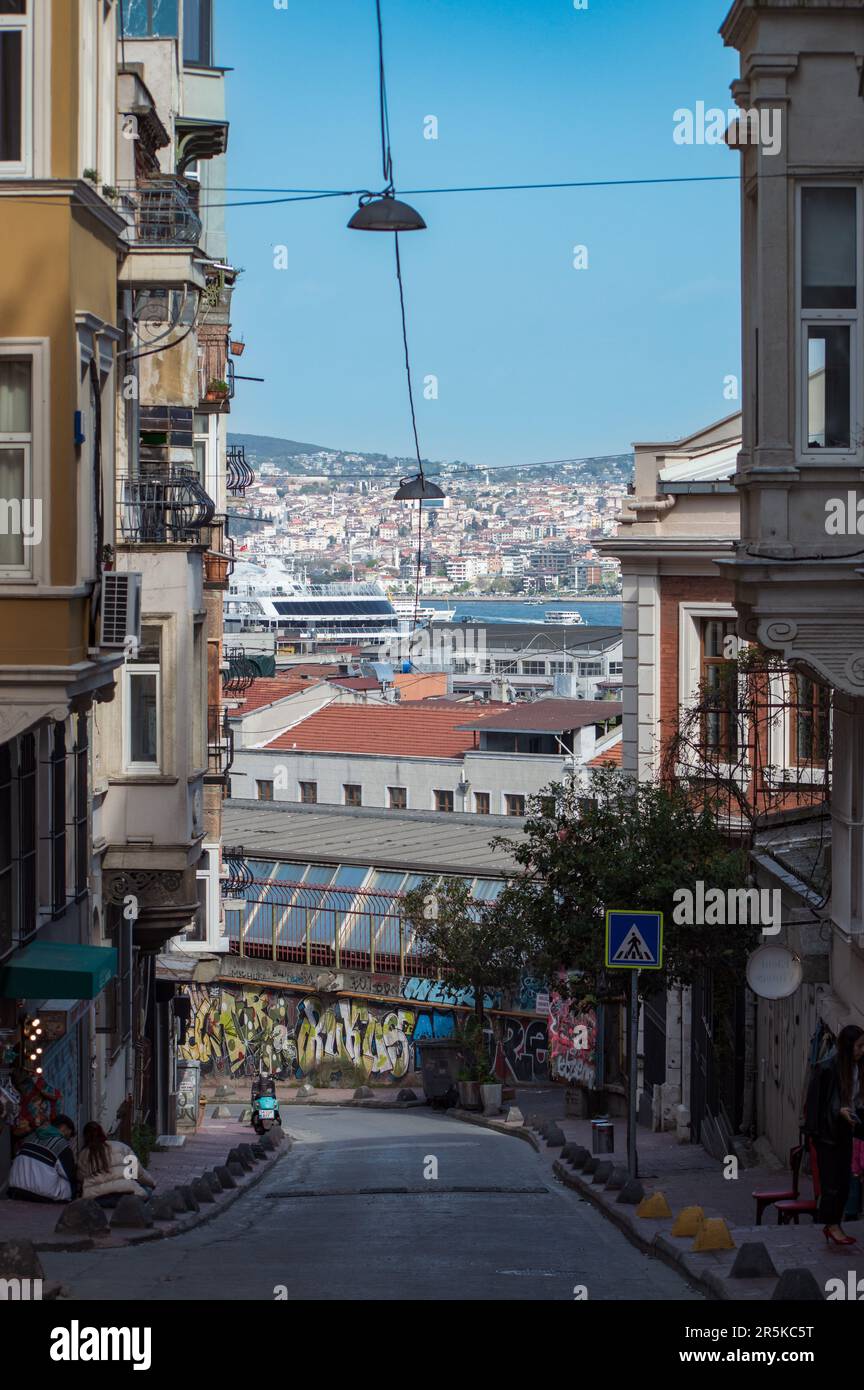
x,y
563,617
268,598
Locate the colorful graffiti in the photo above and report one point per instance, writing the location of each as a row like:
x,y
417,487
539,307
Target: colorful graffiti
x,y
235,1031
569,1029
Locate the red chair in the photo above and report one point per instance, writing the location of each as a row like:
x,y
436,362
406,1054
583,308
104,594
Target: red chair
x,y
767,1199
802,1206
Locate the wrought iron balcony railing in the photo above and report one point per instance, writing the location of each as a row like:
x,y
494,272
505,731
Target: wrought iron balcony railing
x,y
239,876
240,674
161,506
220,744
240,474
166,212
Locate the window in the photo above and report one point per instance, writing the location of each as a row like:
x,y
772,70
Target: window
x,y
590,668
200,446
309,793
720,686
15,63
264,791
514,805
397,798
481,803
57,821
810,726
444,800
80,821
560,668
17,506
198,33
616,668
533,668
143,700
151,19
353,794
830,323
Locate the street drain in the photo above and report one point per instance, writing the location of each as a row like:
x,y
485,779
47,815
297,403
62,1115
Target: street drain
x,y
433,1189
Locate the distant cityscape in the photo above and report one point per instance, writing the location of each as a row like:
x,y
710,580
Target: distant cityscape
x,y
331,515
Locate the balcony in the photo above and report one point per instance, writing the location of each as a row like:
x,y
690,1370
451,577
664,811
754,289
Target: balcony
x,y
166,506
240,473
166,212
220,745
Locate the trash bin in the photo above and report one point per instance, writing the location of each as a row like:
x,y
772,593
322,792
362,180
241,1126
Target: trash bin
x,y
441,1061
602,1135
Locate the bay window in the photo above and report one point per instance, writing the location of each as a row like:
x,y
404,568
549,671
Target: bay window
x,y
142,724
16,444
830,321
198,33
15,64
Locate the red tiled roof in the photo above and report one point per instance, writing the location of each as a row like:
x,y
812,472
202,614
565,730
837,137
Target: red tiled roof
x,y
412,731
554,716
266,690
610,757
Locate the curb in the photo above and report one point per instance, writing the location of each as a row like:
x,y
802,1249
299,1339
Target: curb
x,y
166,1230
468,1117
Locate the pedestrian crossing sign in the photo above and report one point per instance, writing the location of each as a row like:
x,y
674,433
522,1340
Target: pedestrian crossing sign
x,y
634,940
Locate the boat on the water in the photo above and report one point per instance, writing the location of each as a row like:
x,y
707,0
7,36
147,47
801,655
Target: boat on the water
x,y
563,617
269,597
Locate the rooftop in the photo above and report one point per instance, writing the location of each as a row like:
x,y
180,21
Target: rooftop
x,y
548,716
424,841
412,731
266,690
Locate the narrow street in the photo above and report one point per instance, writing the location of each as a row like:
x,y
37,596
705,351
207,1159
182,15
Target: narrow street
x,y
348,1214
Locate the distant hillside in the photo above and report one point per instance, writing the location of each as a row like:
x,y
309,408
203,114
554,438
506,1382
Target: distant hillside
x,y
294,457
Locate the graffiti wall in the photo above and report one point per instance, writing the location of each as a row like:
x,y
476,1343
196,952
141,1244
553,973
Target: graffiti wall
x,y
572,1043
235,1031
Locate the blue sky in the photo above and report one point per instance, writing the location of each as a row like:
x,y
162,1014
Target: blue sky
x,y
534,359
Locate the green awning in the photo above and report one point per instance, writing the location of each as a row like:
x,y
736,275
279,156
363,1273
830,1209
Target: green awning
x,y
53,970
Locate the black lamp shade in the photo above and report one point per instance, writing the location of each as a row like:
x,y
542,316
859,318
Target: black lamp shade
x,y
386,214
417,489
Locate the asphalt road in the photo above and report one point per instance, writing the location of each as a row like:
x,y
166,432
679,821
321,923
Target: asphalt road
x,y
349,1213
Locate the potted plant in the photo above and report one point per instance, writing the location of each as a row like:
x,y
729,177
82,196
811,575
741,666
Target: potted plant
x,y
490,1092
238,347
217,390
469,1089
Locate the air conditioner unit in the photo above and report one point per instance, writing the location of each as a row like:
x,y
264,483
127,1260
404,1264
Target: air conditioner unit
x,y
120,618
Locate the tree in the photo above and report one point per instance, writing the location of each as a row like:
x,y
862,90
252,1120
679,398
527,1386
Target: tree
x,y
463,940
625,845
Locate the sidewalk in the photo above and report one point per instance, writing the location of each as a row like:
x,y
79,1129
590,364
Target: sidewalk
x,y
203,1150
688,1176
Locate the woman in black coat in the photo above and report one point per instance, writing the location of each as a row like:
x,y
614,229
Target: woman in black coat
x,y
832,1117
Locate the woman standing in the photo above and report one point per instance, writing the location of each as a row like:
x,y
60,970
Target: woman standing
x,y
831,1120
108,1169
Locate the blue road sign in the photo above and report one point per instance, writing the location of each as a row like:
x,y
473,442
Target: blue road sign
x,y
634,940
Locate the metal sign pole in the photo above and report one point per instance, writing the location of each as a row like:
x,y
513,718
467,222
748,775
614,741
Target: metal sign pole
x,y
632,1157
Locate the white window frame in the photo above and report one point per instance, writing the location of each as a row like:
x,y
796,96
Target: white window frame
x,y
36,458
129,672
808,318
488,796
23,24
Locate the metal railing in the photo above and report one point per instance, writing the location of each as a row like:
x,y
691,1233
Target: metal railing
x,y
166,212
220,744
240,674
160,506
240,473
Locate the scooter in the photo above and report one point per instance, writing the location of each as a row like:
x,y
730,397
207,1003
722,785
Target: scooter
x,y
265,1106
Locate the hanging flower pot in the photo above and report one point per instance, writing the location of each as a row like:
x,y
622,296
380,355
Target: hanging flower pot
x,y
238,347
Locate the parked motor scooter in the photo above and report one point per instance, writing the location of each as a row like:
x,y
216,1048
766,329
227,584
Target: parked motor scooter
x,y
265,1106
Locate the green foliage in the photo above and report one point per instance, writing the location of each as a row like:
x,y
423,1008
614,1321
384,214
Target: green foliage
x,y
143,1142
464,941
625,845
